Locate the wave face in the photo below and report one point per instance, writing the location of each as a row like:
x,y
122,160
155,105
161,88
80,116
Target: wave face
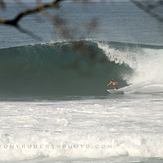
x,y
75,68
67,68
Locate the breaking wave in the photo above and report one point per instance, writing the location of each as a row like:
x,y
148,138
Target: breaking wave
x,y
76,68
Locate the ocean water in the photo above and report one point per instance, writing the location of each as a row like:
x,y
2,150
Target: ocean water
x,y
54,106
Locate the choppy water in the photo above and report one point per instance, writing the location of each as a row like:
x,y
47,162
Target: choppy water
x,y
126,128
53,101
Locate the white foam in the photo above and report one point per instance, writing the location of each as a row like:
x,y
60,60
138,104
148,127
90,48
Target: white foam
x,y
147,66
80,145
117,56
81,129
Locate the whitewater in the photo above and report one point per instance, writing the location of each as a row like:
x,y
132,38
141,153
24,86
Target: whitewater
x,y
83,130
54,107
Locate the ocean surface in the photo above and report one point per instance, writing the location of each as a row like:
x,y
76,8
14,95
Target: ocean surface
x,y
54,104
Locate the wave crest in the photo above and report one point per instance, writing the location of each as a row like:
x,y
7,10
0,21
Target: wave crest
x,y
67,68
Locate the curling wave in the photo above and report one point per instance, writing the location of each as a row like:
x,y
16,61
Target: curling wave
x,y
67,68
75,68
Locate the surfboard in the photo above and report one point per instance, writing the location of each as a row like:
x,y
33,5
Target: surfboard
x,y
115,91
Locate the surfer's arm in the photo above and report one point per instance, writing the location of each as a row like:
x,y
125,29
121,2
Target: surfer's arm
x,y
109,84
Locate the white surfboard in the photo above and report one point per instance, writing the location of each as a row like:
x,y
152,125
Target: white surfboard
x,y
115,91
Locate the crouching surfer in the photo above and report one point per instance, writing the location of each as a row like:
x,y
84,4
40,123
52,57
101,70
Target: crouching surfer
x,y
113,84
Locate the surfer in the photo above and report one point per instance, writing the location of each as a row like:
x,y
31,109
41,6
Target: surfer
x,y
113,84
